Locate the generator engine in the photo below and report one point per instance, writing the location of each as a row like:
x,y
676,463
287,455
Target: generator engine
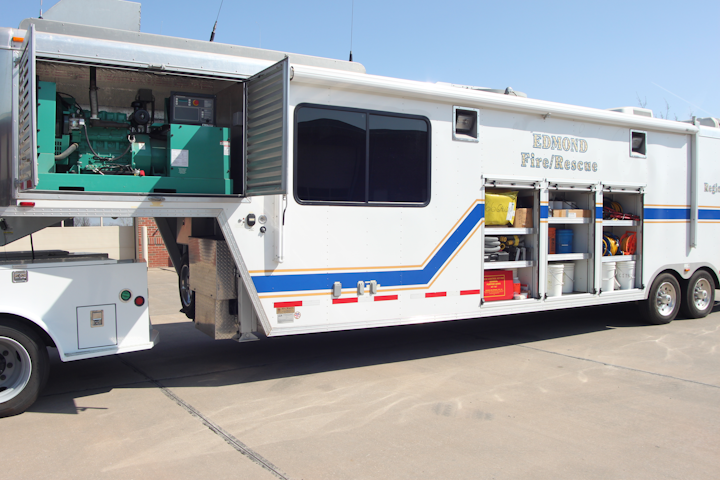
x,y
184,149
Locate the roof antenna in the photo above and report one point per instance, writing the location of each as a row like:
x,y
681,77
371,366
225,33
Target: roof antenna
x,y
212,35
40,9
352,18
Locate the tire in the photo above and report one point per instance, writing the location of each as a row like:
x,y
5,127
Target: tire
x,y
663,302
24,367
698,295
187,296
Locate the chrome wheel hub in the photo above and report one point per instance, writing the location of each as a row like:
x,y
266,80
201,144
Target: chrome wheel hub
x,y
15,368
666,299
701,294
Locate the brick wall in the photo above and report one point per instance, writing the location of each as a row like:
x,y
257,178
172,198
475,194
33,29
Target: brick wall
x,y
157,254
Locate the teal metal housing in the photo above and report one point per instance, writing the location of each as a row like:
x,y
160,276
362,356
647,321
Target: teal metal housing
x,y
190,159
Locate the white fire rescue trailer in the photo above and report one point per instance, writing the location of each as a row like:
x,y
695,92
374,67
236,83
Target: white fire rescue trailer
x,y
300,195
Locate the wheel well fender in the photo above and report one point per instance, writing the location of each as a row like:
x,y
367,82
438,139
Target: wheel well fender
x,y
667,269
35,327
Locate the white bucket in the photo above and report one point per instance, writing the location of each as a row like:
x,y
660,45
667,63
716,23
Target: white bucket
x,y
555,279
608,276
568,277
626,275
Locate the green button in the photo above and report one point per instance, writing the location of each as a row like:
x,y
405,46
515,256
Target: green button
x,y
125,295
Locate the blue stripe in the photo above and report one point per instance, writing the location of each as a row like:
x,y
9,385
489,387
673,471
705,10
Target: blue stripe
x,y
598,212
322,281
667,213
709,215
543,211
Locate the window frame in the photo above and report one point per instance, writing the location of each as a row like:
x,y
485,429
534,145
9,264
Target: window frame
x,y
645,142
367,112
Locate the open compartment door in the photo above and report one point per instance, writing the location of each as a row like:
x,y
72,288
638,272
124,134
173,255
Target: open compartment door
x,y
26,174
266,131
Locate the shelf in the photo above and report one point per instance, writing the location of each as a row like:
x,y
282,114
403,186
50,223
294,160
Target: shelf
x,y
506,265
509,231
561,257
620,223
618,258
569,221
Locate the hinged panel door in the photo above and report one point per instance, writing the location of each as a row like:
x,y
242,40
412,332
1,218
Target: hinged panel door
x,y
26,175
266,131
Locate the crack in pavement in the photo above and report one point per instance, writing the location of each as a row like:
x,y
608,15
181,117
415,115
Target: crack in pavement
x,y
214,427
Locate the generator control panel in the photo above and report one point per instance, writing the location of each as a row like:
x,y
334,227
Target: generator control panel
x,y
192,109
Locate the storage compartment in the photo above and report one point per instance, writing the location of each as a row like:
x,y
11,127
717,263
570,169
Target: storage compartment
x,y
514,244
214,281
572,224
622,234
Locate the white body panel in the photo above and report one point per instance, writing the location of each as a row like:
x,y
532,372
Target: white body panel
x,y
61,296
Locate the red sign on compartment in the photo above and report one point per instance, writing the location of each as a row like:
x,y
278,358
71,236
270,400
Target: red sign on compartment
x,y
498,285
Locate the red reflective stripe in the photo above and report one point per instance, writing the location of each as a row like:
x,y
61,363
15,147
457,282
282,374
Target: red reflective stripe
x,y
344,300
288,304
469,292
27,204
382,298
436,294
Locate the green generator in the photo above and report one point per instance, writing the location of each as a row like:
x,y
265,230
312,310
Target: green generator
x,y
81,150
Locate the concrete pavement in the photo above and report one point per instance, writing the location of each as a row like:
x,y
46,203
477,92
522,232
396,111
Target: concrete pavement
x,y
589,393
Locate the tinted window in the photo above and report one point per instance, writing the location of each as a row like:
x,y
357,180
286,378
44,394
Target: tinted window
x,y
398,159
354,156
331,155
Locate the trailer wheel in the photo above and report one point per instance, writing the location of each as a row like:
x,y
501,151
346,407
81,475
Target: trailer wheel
x,y
187,296
698,295
24,367
663,303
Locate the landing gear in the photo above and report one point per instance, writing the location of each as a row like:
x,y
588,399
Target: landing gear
x,y
24,366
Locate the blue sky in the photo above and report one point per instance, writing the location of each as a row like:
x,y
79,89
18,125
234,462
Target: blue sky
x,y
596,54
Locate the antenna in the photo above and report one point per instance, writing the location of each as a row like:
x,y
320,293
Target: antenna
x,y
212,35
41,9
352,19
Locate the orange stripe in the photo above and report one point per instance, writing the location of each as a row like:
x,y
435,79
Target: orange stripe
x,y
378,268
673,206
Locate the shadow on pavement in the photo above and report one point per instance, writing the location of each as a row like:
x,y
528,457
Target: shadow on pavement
x,y
187,357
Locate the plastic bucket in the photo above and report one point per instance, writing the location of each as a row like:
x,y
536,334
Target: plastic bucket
x,y
625,275
568,277
608,276
563,241
555,279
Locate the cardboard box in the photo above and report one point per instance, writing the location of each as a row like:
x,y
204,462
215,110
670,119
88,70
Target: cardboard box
x,y
498,285
574,213
523,218
551,240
